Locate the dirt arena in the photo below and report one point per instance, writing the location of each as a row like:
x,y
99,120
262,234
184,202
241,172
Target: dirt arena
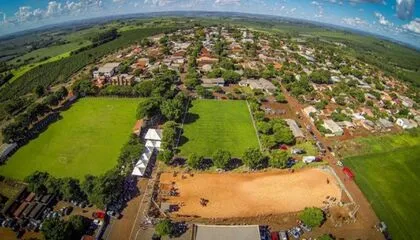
x,y
250,194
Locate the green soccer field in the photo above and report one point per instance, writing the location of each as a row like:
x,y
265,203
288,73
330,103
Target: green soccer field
x,y
215,124
87,140
389,178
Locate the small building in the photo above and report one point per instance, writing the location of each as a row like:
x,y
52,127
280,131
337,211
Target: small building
x,y
6,150
122,80
333,127
405,123
231,232
260,84
382,122
309,110
206,60
296,131
107,70
212,82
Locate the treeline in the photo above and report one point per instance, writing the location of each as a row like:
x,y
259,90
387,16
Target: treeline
x,y
19,130
60,71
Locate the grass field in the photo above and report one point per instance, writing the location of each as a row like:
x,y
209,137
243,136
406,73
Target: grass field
x,y
213,124
389,177
87,140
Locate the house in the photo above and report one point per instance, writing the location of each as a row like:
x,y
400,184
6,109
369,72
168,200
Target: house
x,y
296,131
309,110
346,124
107,70
382,122
6,150
206,60
405,123
122,80
138,127
261,84
333,127
406,102
368,124
231,232
212,82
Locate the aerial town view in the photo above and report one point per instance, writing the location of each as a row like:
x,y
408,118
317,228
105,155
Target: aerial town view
x,y
208,120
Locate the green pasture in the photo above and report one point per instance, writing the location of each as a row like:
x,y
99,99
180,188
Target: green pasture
x,y
87,140
214,124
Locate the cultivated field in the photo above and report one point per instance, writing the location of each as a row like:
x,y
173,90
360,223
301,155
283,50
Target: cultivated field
x,y
214,124
389,177
251,194
87,140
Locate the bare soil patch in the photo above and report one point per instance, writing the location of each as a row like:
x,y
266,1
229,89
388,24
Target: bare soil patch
x,y
249,194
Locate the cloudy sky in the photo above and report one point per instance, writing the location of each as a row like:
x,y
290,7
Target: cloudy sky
x,y
398,19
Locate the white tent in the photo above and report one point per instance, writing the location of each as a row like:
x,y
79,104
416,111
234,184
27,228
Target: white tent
x,y
141,164
153,144
138,171
154,134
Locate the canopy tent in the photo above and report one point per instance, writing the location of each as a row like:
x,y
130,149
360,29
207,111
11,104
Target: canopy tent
x,y
153,134
138,171
153,144
141,164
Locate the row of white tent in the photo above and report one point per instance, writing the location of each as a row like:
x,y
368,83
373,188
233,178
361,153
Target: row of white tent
x,y
153,139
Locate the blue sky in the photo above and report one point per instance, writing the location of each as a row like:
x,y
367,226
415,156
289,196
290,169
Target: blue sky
x,y
398,19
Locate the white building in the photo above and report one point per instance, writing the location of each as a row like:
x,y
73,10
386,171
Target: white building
x,y
405,123
333,127
107,70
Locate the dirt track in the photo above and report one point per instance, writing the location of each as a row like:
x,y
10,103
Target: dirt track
x,y
251,194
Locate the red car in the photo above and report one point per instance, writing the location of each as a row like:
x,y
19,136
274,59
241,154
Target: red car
x,y
275,236
100,215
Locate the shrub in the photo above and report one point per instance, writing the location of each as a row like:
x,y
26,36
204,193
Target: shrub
x,y
313,217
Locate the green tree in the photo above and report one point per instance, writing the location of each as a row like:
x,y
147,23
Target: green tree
x,y
56,229
169,135
231,76
195,161
278,159
253,158
164,228
37,181
39,90
165,156
312,216
148,108
144,88
221,158
70,189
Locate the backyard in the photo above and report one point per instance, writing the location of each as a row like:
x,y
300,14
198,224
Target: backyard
x,y
388,175
87,140
212,124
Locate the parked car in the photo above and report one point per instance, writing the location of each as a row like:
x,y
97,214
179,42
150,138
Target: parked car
x,y
99,214
274,236
283,235
298,151
305,227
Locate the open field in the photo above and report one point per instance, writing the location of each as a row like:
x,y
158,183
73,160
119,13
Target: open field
x,y
213,124
389,177
86,141
251,194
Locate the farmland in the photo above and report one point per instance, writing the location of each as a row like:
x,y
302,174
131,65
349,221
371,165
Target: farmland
x,y
387,173
212,125
87,140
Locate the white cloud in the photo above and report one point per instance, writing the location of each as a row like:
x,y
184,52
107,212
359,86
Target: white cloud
x,y
382,20
405,9
227,2
413,26
356,21
159,3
